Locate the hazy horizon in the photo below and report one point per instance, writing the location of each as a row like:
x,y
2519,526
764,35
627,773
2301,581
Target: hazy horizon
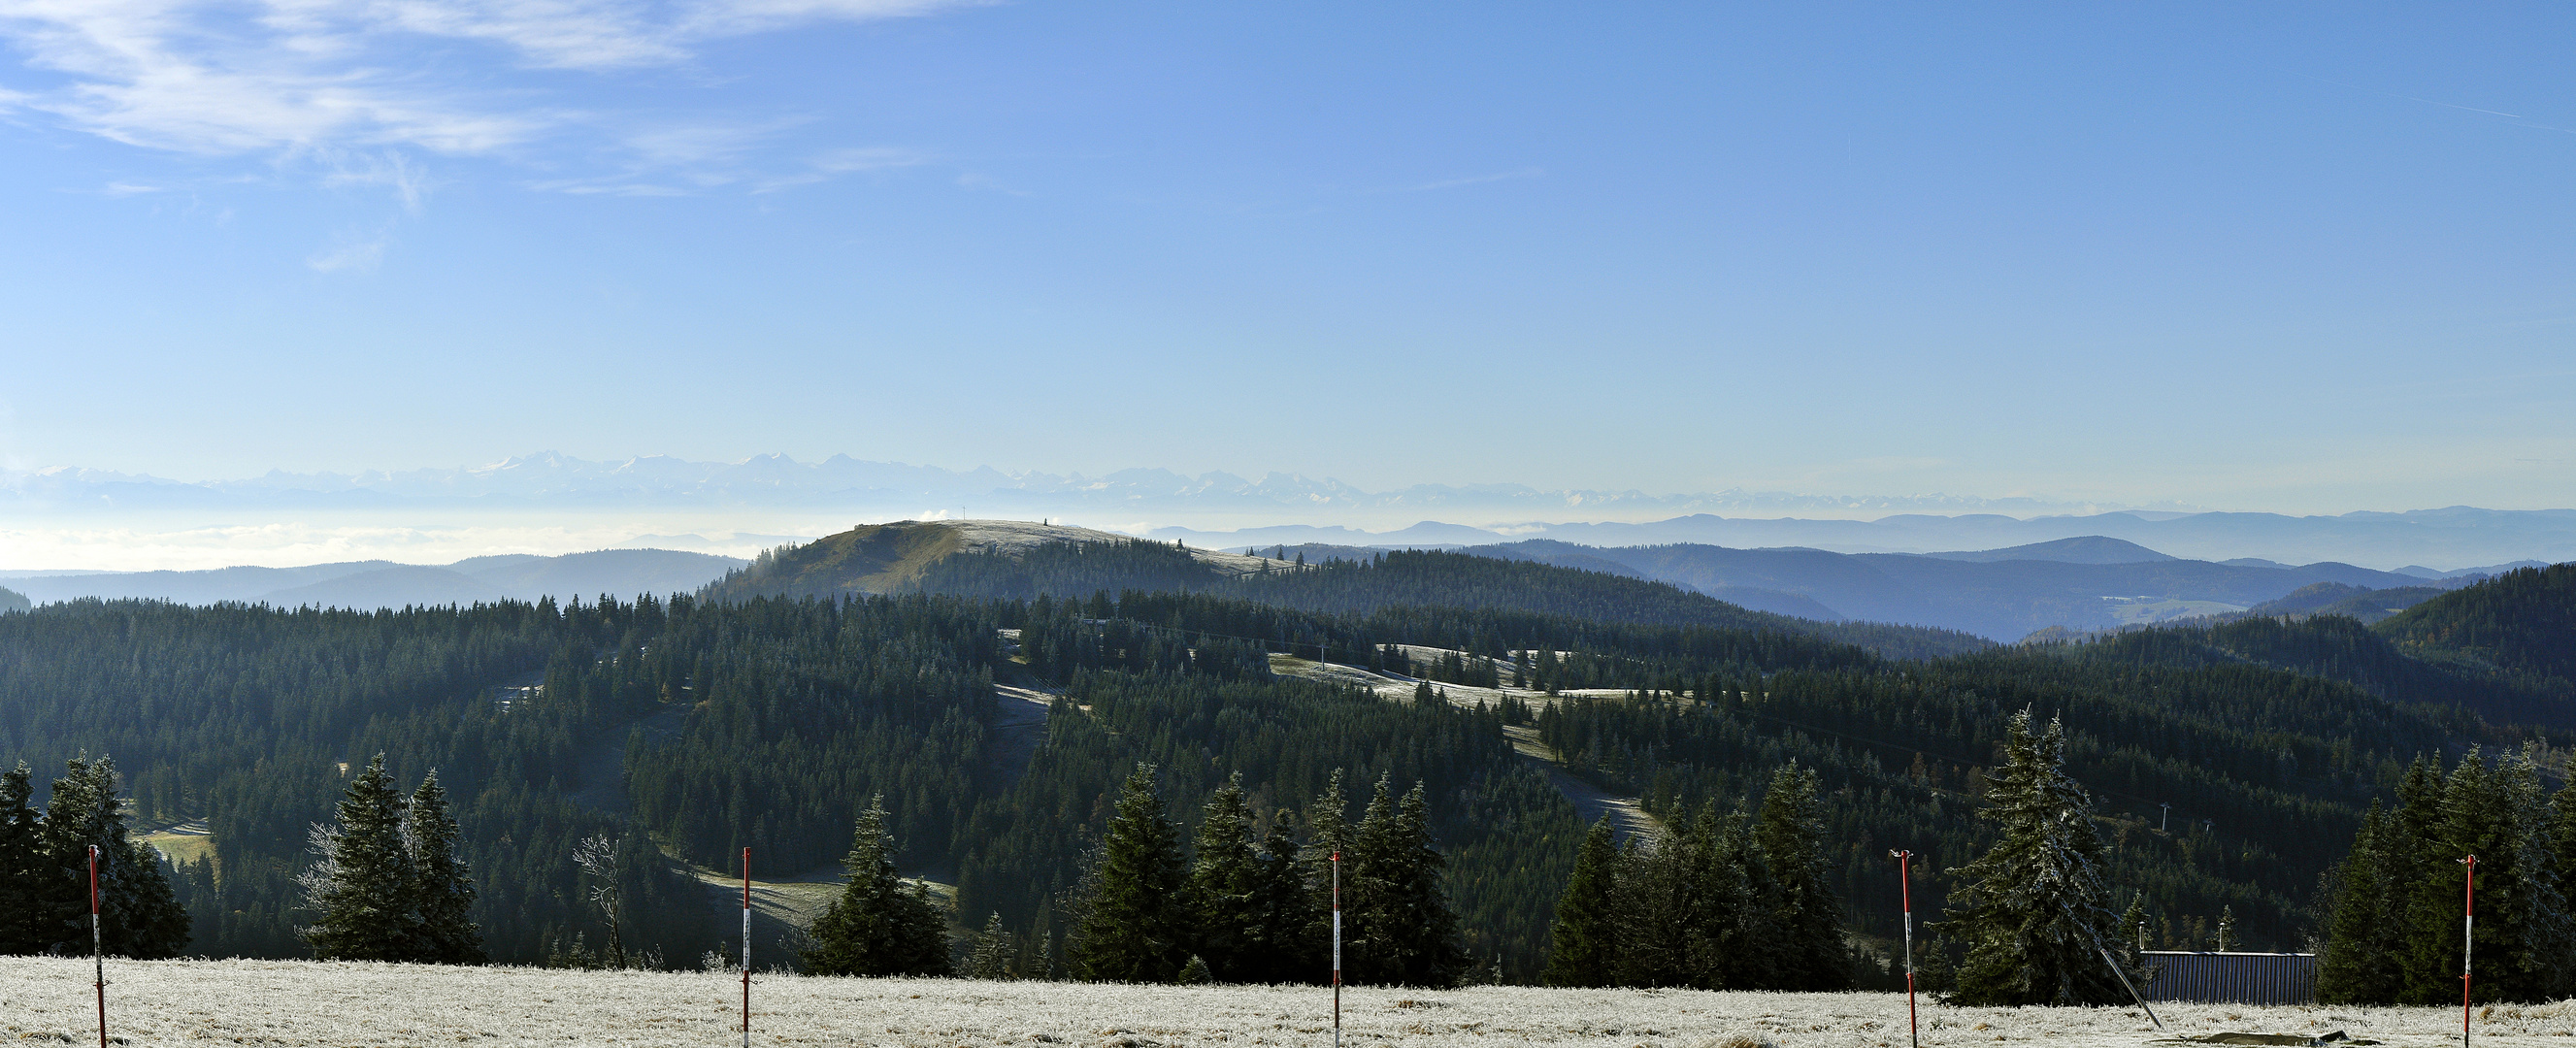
x,y
2288,259
551,504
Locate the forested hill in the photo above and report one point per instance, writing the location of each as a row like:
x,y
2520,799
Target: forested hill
x,y
12,600
960,560
767,722
2519,627
998,712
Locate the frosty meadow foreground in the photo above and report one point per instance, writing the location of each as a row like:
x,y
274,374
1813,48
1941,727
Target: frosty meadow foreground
x,y
291,1003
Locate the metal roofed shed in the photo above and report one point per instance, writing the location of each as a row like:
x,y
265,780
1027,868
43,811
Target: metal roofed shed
x,y
2231,978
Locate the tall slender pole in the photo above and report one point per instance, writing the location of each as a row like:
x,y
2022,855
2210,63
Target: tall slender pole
x,y
97,954
746,948
1337,949
2468,941
1905,881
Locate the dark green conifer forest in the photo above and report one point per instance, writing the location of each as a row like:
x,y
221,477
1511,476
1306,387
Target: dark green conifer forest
x,y
1002,706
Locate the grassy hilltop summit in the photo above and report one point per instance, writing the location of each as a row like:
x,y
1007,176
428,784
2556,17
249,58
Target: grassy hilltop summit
x,y
898,557
1022,560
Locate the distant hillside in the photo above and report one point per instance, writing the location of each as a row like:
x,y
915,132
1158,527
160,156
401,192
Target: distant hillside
x,y
2007,596
12,600
995,560
2337,648
2083,549
1751,598
2520,626
371,584
2335,598
398,587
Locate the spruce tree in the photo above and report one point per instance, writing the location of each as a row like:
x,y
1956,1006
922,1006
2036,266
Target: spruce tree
x,y
1134,926
1280,946
2562,837
2133,926
991,957
2430,955
1725,921
2359,965
1327,834
2500,814
26,924
139,912
1790,834
1654,902
1583,945
442,893
360,885
2227,941
876,927
1401,925
1224,895
2033,910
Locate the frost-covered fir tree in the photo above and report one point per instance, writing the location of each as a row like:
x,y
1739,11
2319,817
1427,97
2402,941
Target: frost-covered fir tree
x,y
1132,927
2501,815
442,895
876,926
2034,911
360,884
992,956
1583,945
386,883
139,912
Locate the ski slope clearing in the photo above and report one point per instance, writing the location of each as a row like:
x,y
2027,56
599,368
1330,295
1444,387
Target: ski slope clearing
x,y
47,1000
1628,814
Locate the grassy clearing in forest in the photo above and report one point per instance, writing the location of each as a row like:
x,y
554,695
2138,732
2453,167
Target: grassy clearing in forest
x,y
310,1003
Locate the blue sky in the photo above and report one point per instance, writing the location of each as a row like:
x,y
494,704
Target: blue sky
x,y
2282,257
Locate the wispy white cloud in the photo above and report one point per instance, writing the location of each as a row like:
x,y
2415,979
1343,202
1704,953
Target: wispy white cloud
x,y
224,77
360,254
834,163
385,169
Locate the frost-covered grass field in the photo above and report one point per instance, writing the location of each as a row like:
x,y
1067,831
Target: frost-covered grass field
x,y
299,1003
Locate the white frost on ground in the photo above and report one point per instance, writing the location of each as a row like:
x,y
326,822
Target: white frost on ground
x,y
306,1003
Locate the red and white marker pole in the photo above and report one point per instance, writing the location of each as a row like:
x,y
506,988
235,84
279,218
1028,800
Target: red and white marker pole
x,y
746,948
1337,949
97,951
1905,881
2468,942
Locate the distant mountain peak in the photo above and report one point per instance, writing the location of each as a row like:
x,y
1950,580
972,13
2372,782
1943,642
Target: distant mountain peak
x,y
2082,549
